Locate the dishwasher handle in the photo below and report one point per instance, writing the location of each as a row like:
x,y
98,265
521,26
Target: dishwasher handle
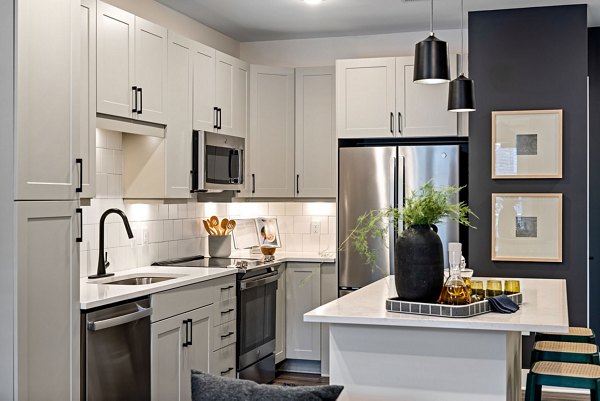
x,y
120,320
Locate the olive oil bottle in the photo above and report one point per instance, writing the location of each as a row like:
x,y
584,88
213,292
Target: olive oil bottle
x,y
455,291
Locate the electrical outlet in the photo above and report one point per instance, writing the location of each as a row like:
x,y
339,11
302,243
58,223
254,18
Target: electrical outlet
x,y
315,227
145,236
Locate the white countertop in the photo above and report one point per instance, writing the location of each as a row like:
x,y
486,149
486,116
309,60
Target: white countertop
x,y
93,293
544,309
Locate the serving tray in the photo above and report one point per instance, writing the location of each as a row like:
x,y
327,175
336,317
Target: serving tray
x,y
420,308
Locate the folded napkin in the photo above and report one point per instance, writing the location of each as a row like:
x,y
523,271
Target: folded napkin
x,y
503,304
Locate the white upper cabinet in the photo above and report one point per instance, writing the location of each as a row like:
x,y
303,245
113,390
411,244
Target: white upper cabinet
x,y
178,138
47,99
271,142
205,115
87,129
231,94
365,93
151,70
220,92
132,66
315,159
377,98
422,110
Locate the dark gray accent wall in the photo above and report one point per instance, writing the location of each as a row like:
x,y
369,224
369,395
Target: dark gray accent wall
x,y
527,59
594,74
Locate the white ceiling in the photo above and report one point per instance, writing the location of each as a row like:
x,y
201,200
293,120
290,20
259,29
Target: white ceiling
x,y
257,20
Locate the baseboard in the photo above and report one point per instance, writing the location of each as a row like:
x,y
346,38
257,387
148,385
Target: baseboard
x,y
300,366
550,389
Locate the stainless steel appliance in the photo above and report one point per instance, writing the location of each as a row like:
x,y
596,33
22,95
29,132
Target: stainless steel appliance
x,y
256,311
373,177
116,352
217,162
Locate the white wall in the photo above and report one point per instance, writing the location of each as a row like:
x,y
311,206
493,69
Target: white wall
x,y
7,228
177,22
324,51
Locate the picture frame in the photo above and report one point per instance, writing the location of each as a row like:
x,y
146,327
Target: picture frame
x,y
527,227
268,231
527,144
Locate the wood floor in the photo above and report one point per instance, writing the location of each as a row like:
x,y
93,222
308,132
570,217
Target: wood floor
x,y
304,379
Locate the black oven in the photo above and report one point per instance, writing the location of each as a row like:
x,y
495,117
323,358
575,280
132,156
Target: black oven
x,y
256,297
217,162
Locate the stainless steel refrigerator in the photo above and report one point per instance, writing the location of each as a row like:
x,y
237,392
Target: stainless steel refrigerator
x,y
373,177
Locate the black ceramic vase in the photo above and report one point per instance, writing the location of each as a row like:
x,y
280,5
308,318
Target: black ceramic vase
x,y
419,264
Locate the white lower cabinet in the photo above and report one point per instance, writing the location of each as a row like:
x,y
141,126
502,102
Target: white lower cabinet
x,y
179,344
191,330
280,316
47,301
303,294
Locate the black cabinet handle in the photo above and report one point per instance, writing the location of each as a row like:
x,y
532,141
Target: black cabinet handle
x,y
139,111
227,335
297,183
185,324
219,110
227,311
191,326
224,372
392,123
80,187
216,124
135,103
79,211
227,288
253,184
400,123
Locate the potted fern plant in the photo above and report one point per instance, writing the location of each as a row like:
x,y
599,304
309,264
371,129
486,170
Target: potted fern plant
x,y
419,258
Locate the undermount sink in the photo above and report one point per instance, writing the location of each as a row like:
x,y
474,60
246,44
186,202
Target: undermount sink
x,y
140,279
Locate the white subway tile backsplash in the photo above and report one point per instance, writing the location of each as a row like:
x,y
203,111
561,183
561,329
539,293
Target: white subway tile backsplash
x,y
285,224
99,168
293,209
172,212
191,211
294,242
118,162
310,243
163,251
173,250
107,156
100,138
163,212
177,229
332,225
188,228
114,140
156,230
168,230
182,211
276,209
101,186
318,209
302,224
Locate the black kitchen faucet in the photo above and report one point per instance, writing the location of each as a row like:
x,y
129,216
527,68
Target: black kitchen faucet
x,y
102,263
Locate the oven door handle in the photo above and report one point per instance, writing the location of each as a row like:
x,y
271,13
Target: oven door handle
x,y
244,285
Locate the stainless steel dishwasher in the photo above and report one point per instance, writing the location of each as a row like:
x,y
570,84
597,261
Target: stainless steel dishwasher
x,y
116,352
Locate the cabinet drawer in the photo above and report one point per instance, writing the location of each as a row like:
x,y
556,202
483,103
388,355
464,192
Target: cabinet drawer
x,y
224,335
179,300
224,288
223,362
224,311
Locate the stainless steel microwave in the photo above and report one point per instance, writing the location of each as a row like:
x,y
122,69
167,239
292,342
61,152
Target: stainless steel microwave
x,y
217,162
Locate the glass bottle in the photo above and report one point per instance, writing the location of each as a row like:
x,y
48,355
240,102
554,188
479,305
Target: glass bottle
x,y
455,291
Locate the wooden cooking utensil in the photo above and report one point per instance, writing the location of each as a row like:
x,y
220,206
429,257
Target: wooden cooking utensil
x,y
223,225
214,224
207,227
231,226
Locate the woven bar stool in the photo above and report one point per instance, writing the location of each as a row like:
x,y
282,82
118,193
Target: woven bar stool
x,y
559,351
562,374
575,335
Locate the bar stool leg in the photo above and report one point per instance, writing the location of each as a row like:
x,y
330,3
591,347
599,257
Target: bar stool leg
x,y
533,392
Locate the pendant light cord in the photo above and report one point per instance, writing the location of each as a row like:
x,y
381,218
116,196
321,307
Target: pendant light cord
x,y
462,39
431,19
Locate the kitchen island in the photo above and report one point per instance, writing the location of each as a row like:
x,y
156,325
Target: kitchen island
x,y
380,355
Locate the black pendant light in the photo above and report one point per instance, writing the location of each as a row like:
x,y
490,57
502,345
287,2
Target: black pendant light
x,y
461,96
431,59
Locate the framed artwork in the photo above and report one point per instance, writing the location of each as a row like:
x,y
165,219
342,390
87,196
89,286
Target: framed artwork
x,y
268,231
527,227
527,144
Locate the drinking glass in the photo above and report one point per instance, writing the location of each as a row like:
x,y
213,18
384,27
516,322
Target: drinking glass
x,y
493,288
477,291
512,287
